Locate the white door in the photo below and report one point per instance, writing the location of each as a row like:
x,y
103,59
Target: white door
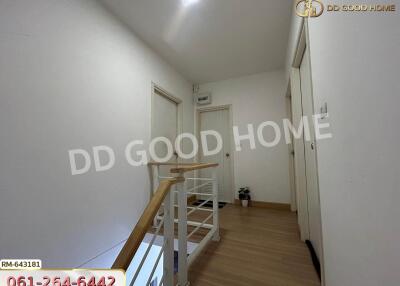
x,y
299,158
314,209
164,124
219,121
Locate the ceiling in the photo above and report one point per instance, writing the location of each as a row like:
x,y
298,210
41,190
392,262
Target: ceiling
x,y
211,40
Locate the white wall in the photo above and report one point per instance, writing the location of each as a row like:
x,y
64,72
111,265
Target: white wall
x,y
72,76
355,69
256,99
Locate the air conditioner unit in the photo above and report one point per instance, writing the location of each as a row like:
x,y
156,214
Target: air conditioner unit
x,y
203,98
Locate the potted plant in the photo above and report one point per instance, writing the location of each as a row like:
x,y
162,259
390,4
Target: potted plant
x,y
244,196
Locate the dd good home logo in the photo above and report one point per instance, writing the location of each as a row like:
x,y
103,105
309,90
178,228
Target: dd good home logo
x,y
309,8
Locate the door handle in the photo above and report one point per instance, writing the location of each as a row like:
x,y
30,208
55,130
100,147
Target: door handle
x,y
227,155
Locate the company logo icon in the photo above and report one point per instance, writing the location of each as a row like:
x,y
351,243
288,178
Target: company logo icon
x,y
309,8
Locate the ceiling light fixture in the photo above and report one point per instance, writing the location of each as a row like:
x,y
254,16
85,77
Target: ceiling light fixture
x,y
187,3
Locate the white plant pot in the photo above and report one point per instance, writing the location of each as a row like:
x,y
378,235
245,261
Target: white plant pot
x,y
245,203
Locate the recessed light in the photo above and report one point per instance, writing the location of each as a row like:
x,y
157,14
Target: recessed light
x,y
189,2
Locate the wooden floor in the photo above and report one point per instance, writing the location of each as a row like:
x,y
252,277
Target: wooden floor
x,y
258,247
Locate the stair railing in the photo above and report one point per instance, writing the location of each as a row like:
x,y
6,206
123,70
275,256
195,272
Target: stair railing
x,y
124,259
160,213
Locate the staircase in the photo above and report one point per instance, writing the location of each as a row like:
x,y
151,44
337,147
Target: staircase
x,y
168,218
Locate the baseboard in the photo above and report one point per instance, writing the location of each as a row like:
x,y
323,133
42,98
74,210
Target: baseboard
x,y
267,205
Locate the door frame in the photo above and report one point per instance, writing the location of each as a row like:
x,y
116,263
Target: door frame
x,y
303,44
157,90
227,107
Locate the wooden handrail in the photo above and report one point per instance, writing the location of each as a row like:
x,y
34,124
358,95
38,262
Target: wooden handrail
x,y
188,168
135,239
184,167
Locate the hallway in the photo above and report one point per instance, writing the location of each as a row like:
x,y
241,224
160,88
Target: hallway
x,y
258,247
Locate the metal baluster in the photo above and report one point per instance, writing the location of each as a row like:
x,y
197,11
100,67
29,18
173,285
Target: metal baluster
x,y
182,234
216,236
169,239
